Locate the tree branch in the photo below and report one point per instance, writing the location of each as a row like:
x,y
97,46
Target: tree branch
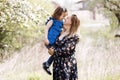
x,y
114,4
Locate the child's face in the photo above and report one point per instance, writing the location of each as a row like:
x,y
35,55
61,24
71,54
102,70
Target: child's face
x,y
64,14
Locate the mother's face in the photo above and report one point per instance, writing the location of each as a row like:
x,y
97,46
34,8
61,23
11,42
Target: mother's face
x,y
68,20
72,23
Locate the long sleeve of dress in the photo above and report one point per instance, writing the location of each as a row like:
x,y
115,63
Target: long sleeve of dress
x,y
68,48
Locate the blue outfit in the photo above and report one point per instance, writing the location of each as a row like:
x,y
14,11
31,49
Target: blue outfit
x,y
54,30
53,34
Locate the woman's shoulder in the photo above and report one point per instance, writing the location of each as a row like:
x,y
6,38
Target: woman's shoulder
x,y
74,36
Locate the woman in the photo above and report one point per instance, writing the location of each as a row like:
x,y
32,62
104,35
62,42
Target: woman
x,y
65,65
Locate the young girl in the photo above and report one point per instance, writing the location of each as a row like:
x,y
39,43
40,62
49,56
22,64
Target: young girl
x,y
54,27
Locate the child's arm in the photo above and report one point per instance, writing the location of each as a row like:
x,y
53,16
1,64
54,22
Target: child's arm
x,y
49,24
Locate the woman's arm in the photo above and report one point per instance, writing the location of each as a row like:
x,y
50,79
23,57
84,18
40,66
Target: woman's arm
x,y
49,24
66,49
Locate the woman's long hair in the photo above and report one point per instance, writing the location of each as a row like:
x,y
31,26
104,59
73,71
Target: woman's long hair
x,y
75,22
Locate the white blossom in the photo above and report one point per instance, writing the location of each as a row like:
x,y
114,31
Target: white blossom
x,y
20,11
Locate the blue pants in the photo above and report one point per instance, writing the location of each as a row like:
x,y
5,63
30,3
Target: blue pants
x,y
50,59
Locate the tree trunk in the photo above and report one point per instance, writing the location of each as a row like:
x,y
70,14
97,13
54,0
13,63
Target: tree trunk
x,y
118,17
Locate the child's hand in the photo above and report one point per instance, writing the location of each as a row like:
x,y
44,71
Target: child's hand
x,y
51,51
46,41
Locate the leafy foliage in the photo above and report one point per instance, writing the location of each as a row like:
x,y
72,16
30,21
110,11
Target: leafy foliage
x,y
20,23
111,9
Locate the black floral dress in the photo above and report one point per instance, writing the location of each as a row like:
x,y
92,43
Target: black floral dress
x,y
65,65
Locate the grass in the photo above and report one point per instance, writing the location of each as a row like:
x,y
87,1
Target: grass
x,y
34,76
97,57
113,77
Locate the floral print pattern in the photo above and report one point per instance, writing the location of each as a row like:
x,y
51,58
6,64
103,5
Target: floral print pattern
x,y
65,64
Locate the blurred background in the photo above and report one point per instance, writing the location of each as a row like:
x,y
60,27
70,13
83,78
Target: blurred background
x,y
22,51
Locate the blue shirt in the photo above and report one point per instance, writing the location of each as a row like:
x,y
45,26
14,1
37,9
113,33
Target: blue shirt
x,y
54,30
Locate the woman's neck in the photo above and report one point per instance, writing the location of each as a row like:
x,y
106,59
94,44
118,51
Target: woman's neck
x,y
67,32
68,28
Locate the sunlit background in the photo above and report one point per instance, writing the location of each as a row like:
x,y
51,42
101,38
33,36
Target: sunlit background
x,y
22,51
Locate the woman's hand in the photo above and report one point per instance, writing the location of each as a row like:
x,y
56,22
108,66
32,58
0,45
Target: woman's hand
x,y
51,51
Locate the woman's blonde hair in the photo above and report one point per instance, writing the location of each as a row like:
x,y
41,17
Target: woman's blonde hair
x,y
75,22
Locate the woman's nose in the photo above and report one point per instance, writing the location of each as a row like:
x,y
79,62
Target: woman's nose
x,y
63,20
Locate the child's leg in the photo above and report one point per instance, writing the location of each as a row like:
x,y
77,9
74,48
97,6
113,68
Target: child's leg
x,y
47,64
50,60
